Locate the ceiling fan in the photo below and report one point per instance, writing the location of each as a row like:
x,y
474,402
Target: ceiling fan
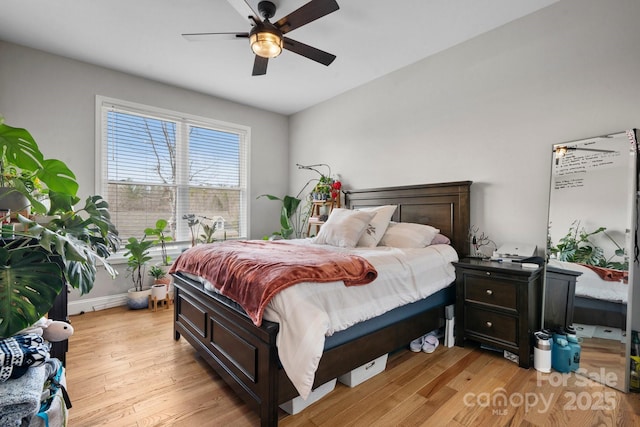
x,y
267,39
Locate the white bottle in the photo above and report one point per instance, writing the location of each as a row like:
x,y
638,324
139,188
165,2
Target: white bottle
x,y
542,353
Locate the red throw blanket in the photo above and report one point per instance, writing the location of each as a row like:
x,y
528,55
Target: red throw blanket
x,y
609,274
252,272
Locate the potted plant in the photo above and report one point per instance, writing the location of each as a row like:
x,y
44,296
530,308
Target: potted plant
x,y
195,222
161,282
41,259
137,257
322,190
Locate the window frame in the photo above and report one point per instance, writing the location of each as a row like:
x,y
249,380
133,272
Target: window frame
x,y
183,120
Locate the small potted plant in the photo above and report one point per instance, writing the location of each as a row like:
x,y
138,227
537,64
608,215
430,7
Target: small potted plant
x,y
161,282
322,190
137,257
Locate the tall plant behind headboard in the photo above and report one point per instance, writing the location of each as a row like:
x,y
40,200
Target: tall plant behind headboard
x,y
445,206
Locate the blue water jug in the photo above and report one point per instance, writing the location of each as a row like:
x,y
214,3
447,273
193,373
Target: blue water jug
x,y
561,355
574,345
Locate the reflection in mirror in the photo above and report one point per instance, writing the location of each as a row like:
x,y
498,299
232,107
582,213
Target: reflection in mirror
x,y
590,241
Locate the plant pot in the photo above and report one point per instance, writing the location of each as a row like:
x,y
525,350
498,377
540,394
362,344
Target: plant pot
x,y
159,291
138,299
14,201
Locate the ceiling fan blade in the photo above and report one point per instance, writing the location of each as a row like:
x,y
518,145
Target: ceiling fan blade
x,y
243,8
309,12
200,37
307,51
260,66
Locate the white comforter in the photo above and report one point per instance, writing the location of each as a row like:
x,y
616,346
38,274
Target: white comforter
x,y
313,311
589,284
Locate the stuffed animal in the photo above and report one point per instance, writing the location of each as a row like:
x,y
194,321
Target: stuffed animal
x,y
50,330
57,331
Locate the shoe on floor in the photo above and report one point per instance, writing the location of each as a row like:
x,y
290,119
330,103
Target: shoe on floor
x,y
417,344
430,344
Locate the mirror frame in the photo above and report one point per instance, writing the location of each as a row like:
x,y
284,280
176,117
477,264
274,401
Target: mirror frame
x,y
631,243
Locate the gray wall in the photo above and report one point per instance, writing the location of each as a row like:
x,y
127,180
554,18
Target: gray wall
x,y
487,110
54,98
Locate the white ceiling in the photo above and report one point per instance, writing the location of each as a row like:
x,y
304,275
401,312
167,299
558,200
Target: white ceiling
x,y
143,37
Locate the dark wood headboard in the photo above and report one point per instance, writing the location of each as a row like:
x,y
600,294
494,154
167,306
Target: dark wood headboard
x,y
444,206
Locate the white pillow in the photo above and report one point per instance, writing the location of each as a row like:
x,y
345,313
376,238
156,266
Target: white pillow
x,y
377,226
343,227
408,235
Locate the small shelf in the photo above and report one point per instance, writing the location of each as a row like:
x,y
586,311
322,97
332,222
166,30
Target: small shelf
x,y
314,218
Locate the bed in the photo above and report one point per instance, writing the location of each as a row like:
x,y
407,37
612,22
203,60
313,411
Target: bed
x,y
246,356
596,301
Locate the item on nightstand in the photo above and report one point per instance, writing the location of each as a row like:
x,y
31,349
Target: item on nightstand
x,y
514,252
542,352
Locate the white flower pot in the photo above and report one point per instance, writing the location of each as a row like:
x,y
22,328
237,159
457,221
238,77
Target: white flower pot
x,y
159,291
138,299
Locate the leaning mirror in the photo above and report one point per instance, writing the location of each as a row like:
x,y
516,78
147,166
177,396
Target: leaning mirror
x,y
591,238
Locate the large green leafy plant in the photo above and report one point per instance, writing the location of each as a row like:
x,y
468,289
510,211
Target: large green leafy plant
x,y
287,221
36,264
576,246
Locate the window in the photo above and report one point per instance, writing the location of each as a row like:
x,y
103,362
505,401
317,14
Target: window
x,y
156,164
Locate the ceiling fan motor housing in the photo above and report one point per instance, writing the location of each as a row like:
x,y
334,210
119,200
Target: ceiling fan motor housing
x,y
267,9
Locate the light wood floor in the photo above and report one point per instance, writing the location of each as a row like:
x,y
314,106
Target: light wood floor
x,y
125,369
610,354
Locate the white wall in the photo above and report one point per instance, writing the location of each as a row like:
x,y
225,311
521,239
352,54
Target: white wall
x,y
54,98
487,110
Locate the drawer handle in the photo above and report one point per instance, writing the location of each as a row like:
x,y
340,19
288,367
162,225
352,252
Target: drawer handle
x,y
489,292
489,324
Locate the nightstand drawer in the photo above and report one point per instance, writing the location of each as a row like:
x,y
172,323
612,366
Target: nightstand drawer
x,y
492,325
489,290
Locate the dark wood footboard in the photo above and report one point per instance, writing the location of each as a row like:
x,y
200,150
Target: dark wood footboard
x,y
244,355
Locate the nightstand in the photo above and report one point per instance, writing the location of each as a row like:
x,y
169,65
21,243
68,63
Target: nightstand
x,y
559,294
498,304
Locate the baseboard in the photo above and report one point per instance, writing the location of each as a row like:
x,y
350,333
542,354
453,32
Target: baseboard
x,y
94,304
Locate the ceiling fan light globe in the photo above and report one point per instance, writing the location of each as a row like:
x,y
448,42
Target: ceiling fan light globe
x,y
266,44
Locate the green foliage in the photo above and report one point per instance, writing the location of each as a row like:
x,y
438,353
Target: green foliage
x,y
24,168
137,257
156,272
207,233
30,280
35,264
195,223
289,207
159,233
577,247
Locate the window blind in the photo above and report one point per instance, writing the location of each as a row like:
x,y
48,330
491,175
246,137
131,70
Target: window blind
x,y
159,164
